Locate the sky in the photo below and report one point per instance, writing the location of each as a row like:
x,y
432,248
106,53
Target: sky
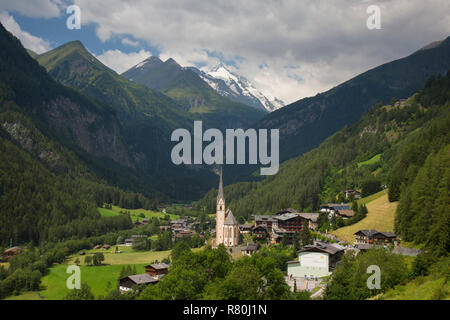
x,y
289,49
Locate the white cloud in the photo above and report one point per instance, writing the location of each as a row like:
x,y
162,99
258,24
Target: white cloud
x,y
120,61
129,42
327,41
29,41
35,8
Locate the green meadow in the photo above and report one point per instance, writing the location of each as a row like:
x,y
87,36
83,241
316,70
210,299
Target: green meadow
x,y
135,213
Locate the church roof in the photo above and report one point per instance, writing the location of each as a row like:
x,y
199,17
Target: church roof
x,y
220,193
230,220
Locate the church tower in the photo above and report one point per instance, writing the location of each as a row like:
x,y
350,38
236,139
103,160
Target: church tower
x,y
227,228
220,212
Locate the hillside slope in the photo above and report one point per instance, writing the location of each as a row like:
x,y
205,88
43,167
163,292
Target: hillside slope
x,y
148,118
340,162
380,216
307,122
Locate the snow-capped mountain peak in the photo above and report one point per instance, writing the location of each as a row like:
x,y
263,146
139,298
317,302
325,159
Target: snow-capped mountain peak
x,y
238,88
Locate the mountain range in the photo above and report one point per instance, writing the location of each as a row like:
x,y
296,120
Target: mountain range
x,y
186,88
237,88
307,122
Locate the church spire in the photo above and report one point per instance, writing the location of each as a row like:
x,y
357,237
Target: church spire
x,y
220,193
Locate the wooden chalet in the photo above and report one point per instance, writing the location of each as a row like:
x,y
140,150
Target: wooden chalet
x,y
127,283
375,237
260,231
157,269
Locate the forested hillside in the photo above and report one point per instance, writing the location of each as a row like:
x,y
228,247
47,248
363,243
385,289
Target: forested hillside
x,y
56,148
148,118
367,155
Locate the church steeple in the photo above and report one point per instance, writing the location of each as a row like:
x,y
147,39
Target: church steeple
x,y
220,193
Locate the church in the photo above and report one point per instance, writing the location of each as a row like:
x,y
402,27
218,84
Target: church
x,y
227,228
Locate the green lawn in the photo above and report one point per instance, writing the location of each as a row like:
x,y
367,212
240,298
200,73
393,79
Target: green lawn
x,y
372,160
372,197
54,284
134,213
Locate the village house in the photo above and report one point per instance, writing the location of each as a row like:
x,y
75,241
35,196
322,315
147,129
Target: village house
x,y
164,228
315,261
260,232
153,273
265,221
356,194
178,224
127,283
312,219
249,249
11,252
345,214
157,269
375,237
332,208
245,228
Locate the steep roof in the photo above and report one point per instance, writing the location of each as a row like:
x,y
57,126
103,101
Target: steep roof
x,y
367,233
230,220
142,278
158,266
309,216
220,194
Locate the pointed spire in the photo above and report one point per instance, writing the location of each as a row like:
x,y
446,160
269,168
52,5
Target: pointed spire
x,y
220,193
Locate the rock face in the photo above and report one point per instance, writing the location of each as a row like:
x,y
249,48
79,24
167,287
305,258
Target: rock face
x,y
97,134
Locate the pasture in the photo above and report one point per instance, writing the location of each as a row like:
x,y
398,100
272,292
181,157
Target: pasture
x,y
380,216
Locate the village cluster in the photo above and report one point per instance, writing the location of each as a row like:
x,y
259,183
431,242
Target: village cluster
x,y
314,262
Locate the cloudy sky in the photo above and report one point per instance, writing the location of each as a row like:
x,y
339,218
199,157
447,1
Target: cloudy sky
x,y
288,48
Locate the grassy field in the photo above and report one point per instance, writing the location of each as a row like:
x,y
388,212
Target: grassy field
x,y
372,160
134,213
128,256
372,197
31,295
4,265
422,288
54,284
380,216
